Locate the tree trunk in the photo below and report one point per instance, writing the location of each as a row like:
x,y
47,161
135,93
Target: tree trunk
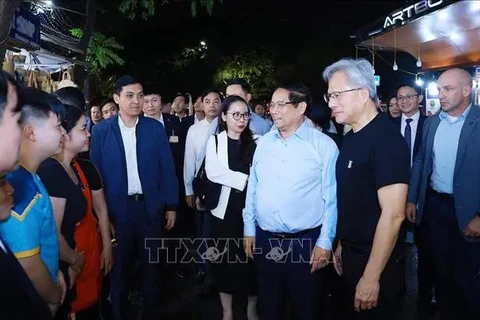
x,y
82,76
7,9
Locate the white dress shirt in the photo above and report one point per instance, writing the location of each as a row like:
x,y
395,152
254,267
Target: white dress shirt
x,y
130,145
195,146
413,125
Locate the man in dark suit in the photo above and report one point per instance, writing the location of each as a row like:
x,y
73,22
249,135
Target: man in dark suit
x,y
412,119
410,124
133,157
444,196
176,135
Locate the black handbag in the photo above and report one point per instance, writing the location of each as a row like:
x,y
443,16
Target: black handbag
x,y
207,191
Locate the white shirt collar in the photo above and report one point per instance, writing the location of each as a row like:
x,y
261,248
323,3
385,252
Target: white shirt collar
x,y
415,117
159,119
122,125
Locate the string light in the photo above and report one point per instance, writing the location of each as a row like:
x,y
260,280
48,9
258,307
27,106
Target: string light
x,y
419,61
395,66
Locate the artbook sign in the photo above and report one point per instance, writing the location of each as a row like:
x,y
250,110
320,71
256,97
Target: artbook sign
x,y
411,12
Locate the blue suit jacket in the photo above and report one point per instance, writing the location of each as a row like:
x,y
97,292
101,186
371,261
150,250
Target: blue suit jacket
x,y
155,166
466,178
418,136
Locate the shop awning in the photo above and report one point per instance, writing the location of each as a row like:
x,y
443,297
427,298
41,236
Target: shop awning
x,y
442,33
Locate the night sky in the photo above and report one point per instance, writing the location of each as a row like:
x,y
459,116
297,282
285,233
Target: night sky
x,y
309,34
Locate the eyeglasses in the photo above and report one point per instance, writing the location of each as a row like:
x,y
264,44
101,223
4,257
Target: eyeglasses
x,y
280,104
335,95
407,97
237,116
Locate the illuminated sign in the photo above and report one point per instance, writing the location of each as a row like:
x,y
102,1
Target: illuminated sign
x,y
403,15
377,80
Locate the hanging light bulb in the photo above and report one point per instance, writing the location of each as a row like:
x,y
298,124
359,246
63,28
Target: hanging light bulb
x,y
419,61
395,66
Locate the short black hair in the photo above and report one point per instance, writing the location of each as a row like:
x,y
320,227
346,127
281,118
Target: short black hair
x,y
124,81
72,115
402,85
298,92
207,92
184,95
151,89
242,83
6,78
71,96
38,105
107,101
320,115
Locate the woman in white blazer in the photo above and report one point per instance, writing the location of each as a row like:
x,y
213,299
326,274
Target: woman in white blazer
x,y
227,162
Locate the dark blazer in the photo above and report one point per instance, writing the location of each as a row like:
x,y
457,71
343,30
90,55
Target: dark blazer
x,y
155,166
418,135
466,179
187,122
176,139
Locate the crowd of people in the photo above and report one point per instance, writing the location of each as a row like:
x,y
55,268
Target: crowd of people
x,y
275,214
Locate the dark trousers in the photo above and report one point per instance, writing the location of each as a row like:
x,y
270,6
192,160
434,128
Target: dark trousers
x,y
457,272
203,227
426,278
91,313
281,275
392,283
131,237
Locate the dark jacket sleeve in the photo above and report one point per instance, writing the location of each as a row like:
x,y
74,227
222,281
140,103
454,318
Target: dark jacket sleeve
x,y
417,167
95,148
168,176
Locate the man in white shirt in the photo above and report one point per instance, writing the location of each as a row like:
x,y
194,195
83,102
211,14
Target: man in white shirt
x,y
195,148
133,157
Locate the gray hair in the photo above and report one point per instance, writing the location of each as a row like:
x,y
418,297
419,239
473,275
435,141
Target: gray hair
x,y
359,73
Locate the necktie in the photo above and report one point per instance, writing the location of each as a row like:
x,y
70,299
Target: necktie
x,y
408,134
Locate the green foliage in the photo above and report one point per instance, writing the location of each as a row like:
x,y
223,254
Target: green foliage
x,y
185,58
146,8
254,66
101,52
106,86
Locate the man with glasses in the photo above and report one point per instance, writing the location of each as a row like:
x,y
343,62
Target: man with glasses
x,y
411,121
290,213
410,124
372,181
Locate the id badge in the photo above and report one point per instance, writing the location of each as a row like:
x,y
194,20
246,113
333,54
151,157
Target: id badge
x,y
173,139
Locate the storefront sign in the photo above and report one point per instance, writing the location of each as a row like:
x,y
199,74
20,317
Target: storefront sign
x,y
415,10
26,28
